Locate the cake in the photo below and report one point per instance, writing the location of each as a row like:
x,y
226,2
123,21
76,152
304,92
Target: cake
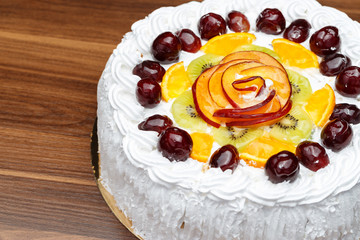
x,y
191,195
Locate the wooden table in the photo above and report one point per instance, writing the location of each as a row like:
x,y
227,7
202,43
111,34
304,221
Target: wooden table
x,y
52,54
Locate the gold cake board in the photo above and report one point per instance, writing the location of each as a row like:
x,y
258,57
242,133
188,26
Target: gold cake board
x,y
109,199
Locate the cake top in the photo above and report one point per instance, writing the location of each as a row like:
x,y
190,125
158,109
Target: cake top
x,y
142,147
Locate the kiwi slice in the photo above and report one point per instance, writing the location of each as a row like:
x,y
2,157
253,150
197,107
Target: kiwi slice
x,y
200,64
294,127
301,88
238,137
252,47
185,114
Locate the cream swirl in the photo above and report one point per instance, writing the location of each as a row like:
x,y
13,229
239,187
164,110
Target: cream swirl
x,y
246,182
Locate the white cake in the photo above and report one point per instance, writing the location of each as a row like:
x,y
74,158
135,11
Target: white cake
x,y
178,200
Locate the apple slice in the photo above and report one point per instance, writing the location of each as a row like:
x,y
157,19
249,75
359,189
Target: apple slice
x,y
204,104
278,77
249,111
261,57
261,121
231,76
215,88
257,83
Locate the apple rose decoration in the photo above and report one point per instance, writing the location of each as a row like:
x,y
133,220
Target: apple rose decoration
x,y
246,89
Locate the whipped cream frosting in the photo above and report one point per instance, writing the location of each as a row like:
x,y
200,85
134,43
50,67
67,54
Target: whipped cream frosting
x,y
140,147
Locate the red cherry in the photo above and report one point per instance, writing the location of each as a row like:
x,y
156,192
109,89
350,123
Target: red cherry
x,y
166,48
157,123
348,82
148,93
347,112
271,21
325,41
283,166
226,157
298,31
334,64
312,155
149,69
189,41
237,22
175,144
211,25
336,135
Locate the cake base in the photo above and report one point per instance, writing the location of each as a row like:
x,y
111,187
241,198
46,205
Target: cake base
x,y
109,199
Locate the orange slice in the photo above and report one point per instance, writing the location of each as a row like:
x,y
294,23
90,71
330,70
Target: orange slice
x,y
320,105
260,150
294,54
175,81
225,44
202,145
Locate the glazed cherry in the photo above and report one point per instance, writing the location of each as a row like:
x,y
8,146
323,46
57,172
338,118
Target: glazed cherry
x,y
347,112
334,64
348,82
271,21
189,41
336,135
175,144
237,22
166,48
283,166
312,155
157,123
325,41
149,69
211,25
226,157
298,31
148,93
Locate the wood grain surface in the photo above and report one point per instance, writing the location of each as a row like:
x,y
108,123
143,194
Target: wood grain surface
x,y
52,54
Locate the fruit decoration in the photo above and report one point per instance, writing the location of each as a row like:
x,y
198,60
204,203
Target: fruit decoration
x,y
202,145
312,155
271,21
225,44
211,25
325,41
332,65
237,87
336,135
189,41
149,69
347,112
298,31
166,48
320,105
294,127
200,64
175,144
299,56
148,93
237,22
226,157
348,82
211,95
260,150
157,123
238,137
283,166
175,81
301,88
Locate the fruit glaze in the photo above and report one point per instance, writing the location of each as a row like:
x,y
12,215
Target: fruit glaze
x,y
175,199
